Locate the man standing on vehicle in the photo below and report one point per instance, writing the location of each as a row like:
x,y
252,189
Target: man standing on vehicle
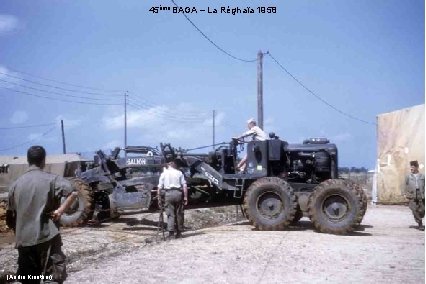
x,y
256,133
174,184
415,193
33,213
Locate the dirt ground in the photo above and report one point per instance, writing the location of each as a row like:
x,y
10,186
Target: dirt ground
x,y
221,247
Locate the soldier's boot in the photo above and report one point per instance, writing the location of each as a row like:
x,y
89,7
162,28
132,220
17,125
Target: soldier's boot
x,y
178,234
171,235
421,226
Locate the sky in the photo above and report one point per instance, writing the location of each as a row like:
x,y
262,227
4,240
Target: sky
x,y
75,61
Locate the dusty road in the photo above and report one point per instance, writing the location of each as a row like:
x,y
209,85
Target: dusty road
x,y
386,250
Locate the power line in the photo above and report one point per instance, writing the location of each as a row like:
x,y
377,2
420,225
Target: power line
x,y
28,141
27,126
56,87
211,41
186,114
51,92
65,83
317,96
168,115
208,146
58,99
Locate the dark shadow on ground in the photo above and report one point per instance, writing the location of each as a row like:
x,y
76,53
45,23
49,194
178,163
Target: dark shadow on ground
x,y
97,225
416,227
159,238
299,226
359,234
365,226
130,221
302,225
191,234
307,225
242,223
152,223
140,229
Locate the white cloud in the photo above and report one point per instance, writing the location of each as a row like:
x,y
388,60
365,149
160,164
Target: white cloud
x,y
35,136
342,137
182,124
8,23
10,77
19,116
68,123
44,138
219,119
269,125
112,144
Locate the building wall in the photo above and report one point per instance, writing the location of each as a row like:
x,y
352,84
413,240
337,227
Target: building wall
x,y
400,139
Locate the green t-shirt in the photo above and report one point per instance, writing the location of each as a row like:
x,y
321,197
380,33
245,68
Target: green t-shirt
x,y
33,196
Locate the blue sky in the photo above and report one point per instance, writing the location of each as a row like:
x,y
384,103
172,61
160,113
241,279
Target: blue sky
x,y
363,57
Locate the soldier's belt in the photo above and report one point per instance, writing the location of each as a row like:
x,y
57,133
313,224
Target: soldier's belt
x,y
173,188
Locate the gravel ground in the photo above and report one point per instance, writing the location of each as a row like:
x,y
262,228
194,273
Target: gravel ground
x,y
387,249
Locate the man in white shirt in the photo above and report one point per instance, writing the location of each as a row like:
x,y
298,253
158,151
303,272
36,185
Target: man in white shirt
x,y
256,133
174,184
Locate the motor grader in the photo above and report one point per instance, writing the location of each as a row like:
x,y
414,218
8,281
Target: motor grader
x,y
281,183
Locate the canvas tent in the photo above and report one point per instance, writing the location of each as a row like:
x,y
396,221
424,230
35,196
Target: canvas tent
x,y
400,139
63,165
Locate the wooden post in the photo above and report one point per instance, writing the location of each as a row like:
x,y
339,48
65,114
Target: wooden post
x,y
64,147
260,89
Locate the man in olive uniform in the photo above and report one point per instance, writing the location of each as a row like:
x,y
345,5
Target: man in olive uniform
x,y
415,193
34,210
174,184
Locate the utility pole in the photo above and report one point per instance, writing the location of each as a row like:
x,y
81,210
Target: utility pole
x,y
125,126
64,148
260,89
214,130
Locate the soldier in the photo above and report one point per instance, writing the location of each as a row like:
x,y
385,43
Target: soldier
x,y
33,212
415,193
173,182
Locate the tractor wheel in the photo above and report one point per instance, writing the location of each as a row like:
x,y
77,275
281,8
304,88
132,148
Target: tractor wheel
x,y
3,227
270,204
297,216
335,207
364,199
80,210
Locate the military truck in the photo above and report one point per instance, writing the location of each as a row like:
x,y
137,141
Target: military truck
x,y
281,183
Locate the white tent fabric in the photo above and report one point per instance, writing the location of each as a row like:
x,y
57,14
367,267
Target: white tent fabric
x,y
63,165
400,139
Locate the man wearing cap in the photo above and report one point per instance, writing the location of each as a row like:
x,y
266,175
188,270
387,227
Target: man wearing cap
x,y
173,182
34,209
415,193
256,133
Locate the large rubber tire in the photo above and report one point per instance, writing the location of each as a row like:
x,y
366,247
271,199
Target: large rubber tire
x,y
364,199
3,207
335,207
270,204
81,210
